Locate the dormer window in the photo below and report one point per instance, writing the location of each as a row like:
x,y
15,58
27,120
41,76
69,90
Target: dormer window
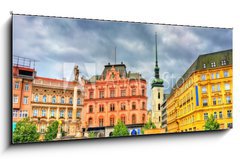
x,y
223,62
213,64
204,65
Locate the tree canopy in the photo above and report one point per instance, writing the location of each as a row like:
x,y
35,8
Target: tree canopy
x,y
120,129
52,131
26,131
211,124
148,125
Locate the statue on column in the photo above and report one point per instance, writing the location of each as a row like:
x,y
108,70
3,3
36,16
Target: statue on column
x,y
76,73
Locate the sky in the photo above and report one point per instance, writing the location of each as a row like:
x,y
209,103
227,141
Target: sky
x,y
57,44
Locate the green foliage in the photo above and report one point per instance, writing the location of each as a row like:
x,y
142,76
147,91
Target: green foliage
x,y
52,131
120,129
148,125
92,134
211,124
26,131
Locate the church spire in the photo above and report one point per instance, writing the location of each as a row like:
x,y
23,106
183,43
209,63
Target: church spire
x,y
156,69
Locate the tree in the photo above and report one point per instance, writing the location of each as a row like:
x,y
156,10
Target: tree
x,y
92,134
211,124
120,129
26,131
52,131
148,125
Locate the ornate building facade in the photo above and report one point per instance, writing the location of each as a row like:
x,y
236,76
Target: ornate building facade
x,y
45,100
115,95
205,89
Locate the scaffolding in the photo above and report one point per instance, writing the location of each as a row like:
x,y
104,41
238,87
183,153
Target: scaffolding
x,y
24,62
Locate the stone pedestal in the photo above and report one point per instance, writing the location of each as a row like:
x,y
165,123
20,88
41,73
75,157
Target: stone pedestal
x,y
72,128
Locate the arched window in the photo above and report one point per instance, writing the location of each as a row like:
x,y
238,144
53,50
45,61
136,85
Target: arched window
x,y
133,119
36,98
90,109
143,105
158,95
90,121
70,100
100,121
101,108
44,99
62,114
133,105
123,118
53,99
62,100
112,107
143,118
143,92
123,107
112,121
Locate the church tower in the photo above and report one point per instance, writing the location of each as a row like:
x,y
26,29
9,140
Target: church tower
x,y
157,93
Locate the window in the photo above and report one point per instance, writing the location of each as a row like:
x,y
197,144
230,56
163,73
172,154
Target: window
x,y
219,100
70,100
36,98
90,121
227,86
133,119
133,106
42,130
204,89
61,113
212,76
123,119
204,65
159,119
159,107
143,92
26,87
225,73
123,93
229,113
16,85
217,75
62,100
70,113
15,99
43,112
24,113
220,115
214,101
205,102
215,115
15,113
203,77
101,94
101,108
213,88
44,99
90,109
228,99
123,107
101,122
223,62
52,113
133,92
205,116
78,114
112,107
91,95
143,105
25,100
78,101
213,64
35,113
229,125
53,99
111,121
158,95
143,118
112,93
218,87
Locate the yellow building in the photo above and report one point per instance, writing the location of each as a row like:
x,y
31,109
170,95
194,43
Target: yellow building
x,y
205,89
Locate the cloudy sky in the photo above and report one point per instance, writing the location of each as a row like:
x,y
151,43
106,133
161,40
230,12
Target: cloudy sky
x,y
59,43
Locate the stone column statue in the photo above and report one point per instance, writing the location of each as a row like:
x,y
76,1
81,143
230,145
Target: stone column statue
x,y
76,73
